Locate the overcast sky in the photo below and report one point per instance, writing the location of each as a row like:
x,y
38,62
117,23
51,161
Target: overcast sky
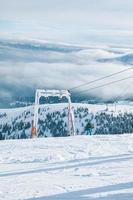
x,y
71,21
25,66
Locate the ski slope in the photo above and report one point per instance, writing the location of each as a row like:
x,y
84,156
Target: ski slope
x,y
74,168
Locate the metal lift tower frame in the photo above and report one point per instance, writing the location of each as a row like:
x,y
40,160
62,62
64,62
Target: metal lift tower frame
x,y
54,93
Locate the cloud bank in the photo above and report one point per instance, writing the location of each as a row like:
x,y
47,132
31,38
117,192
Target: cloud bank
x,y
26,65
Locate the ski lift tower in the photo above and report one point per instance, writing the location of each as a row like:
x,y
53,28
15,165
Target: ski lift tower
x,y
54,93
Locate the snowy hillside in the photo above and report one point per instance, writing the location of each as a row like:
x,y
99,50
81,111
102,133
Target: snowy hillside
x,y
74,168
111,119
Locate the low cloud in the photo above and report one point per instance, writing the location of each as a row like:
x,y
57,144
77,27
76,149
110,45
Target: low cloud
x,y
26,66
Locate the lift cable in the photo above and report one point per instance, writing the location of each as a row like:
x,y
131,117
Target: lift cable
x,y
106,84
99,79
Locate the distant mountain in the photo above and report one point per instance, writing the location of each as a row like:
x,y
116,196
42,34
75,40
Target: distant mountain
x,y
39,51
126,59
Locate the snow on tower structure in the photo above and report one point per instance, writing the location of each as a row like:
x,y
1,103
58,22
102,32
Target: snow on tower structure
x,y
53,93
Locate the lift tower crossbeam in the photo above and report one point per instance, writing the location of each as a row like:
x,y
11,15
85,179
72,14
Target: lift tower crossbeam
x,y
54,93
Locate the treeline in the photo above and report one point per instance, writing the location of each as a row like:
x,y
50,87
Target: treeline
x,y
56,123
110,124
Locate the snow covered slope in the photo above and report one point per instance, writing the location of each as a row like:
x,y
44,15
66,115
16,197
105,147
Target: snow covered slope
x,y
16,123
74,168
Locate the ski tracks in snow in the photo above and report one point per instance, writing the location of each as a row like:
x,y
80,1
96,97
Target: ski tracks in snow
x,y
67,169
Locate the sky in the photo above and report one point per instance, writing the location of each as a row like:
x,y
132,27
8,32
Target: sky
x,y
82,23
71,21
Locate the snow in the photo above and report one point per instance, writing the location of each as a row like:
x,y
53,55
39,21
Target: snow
x,y
80,167
94,108
13,117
